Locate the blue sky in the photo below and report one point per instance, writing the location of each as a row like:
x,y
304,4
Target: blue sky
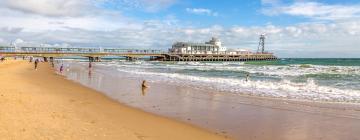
x,y
294,28
228,13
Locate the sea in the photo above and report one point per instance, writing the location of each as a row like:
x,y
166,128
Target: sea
x,y
305,79
290,94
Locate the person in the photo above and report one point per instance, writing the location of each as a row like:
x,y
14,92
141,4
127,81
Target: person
x,y
61,68
247,77
144,87
36,63
31,59
90,65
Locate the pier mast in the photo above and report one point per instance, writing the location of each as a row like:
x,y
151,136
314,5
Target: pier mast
x,y
261,44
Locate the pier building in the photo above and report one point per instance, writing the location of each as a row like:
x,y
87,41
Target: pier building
x,y
211,47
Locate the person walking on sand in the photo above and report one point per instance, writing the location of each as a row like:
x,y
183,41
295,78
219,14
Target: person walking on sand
x,y
36,63
61,68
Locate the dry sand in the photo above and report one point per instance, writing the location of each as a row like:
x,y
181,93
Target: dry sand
x,y
39,104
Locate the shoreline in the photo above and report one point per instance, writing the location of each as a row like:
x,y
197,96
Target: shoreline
x,y
239,117
50,106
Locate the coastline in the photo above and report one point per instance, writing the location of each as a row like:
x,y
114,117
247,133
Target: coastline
x,y
39,104
237,116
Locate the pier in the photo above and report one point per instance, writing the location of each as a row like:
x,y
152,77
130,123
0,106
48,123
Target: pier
x,y
95,54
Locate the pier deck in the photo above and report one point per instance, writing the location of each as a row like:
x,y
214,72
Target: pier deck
x,y
130,54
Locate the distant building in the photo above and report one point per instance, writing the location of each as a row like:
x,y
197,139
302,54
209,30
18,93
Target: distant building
x,y
237,51
212,47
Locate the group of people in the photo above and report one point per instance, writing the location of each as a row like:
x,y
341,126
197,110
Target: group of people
x,y
37,60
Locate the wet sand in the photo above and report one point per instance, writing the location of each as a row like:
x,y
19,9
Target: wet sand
x,y
239,117
39,104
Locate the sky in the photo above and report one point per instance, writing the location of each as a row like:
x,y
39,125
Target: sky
x,y
293,28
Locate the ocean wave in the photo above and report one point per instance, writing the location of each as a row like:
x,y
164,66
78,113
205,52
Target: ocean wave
x,y
282,89
284,70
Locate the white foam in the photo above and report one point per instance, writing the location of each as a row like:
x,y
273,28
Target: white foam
x,y
284,89
281,71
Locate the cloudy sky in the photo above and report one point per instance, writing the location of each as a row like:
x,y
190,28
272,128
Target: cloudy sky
x,y
294,28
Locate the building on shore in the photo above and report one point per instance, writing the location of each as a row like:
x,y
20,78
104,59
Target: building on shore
x,y
212,47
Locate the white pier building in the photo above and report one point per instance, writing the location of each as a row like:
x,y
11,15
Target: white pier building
x,y
212,47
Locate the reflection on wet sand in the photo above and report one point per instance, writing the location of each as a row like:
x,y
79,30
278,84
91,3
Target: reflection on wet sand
x,y
143,90
144,87
89,73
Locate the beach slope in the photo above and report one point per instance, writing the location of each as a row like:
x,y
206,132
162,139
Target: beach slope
x,y
39,104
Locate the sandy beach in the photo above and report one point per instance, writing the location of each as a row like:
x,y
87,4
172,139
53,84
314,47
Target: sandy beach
x,y
40,104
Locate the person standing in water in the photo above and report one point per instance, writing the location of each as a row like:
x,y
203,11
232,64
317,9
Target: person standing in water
x,y
90,65
144,86
36,63
247,77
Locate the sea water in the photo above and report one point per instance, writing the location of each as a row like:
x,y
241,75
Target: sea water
x,y
325,80
332,80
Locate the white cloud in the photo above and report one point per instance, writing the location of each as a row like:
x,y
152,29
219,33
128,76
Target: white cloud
x,y
50,7
11,30
316,10
201,11
290,41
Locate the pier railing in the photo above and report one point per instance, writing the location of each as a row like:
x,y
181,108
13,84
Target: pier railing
x,y
78,50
